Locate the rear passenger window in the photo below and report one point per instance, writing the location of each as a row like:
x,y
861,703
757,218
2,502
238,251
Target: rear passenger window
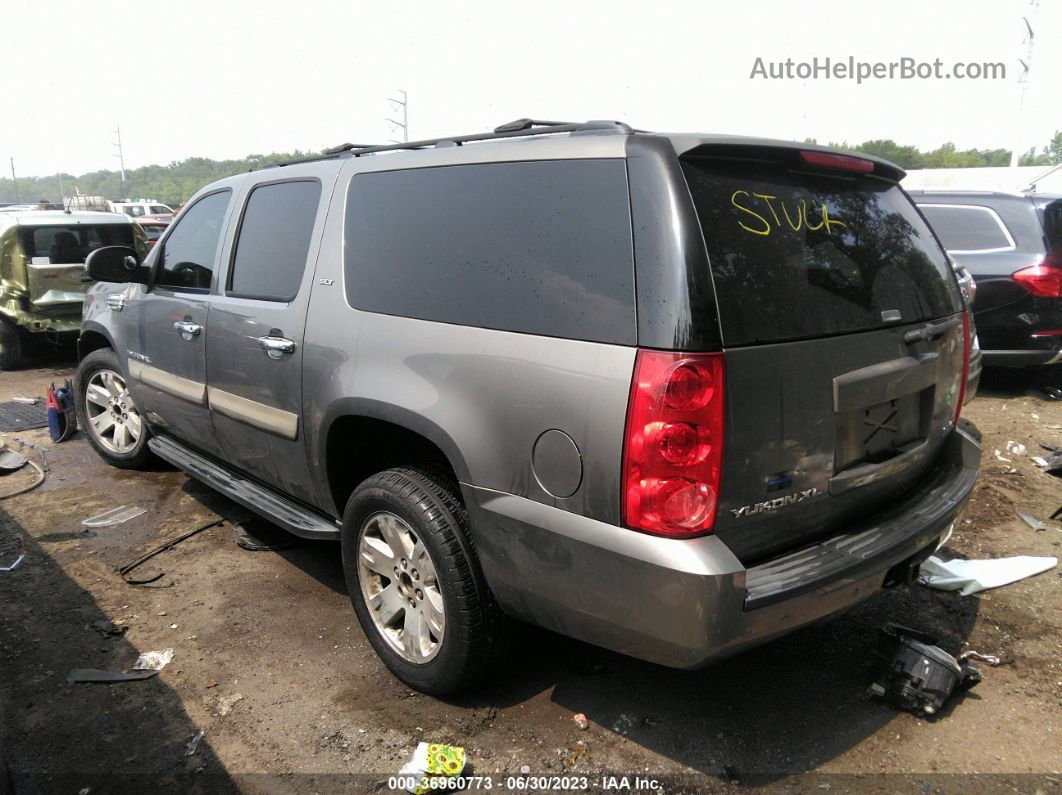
x,y
968,229
274,240
536,247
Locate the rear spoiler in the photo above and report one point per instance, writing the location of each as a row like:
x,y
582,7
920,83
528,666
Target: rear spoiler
x,y
803,155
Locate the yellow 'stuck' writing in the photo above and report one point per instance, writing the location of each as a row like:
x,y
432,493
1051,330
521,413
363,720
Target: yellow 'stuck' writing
x,y
761,223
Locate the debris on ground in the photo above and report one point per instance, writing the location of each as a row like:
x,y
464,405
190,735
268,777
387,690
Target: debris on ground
x,y
1016,448
1032,521
10,461
108,628
581,721
226,703
193,744
123,513
971,576
106,677
999,457
128,567
989,659
258,535
62,419
917,675
575,753
153,660
29,401
432,759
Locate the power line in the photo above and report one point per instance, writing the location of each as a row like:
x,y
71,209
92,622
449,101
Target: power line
x,y
404,124
1023,81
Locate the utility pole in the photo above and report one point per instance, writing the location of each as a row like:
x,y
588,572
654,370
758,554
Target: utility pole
x,y
121,156
1023,81
404,124
13,180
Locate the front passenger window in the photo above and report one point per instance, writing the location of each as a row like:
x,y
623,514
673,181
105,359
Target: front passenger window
x,y
191,249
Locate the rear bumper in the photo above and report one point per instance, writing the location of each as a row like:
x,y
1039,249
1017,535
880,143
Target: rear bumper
x,y
685,603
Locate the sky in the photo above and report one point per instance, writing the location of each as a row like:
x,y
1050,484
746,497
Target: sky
x,y
226,79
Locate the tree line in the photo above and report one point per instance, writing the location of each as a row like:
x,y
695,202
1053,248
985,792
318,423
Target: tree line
x,y
177,181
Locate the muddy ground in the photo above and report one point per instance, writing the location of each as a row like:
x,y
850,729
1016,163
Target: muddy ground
x,y
271,664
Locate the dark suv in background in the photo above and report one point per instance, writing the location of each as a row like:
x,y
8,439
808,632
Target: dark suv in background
x,y
1012,246
674,395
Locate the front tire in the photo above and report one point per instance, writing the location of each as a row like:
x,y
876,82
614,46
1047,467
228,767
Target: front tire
x,y
107,413
415,582
11,345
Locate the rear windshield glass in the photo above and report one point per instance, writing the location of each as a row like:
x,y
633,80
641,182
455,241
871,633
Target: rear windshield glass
x,y
967,229
1053,225
69,245
796,255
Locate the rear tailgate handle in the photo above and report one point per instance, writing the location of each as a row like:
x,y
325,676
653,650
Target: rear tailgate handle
x,y
931,332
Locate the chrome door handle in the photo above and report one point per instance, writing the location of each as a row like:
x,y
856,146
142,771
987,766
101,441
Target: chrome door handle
x,y
188,331
276,346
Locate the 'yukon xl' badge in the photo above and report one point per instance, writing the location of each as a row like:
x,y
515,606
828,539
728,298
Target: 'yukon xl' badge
x,y
775,504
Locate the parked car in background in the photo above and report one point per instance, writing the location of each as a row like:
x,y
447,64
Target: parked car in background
x,y
42,255
153,227
142,208
674,395
1011,244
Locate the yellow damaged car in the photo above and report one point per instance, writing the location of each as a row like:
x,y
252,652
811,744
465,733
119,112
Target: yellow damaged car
x,y
42,281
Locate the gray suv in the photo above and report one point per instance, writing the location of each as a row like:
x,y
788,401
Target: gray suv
x,y
673,395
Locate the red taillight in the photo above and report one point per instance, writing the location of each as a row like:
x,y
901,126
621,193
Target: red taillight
x,y
843,162
1043,280
673,447
966,346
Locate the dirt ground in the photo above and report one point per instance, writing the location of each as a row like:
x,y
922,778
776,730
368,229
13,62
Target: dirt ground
x,y
270,663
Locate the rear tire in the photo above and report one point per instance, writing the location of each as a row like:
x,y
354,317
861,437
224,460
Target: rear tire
x,y
415,581
107,413
11,345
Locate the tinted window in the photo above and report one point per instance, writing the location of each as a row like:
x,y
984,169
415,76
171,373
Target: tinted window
x,y
796,255
537,247
968,228
189,253
160,209
274,240
71,244
1053,224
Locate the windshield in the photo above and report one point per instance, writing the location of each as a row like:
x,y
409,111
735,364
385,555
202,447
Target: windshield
x,y
69,245
797,255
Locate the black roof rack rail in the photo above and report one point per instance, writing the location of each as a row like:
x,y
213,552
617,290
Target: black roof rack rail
x,y
514,129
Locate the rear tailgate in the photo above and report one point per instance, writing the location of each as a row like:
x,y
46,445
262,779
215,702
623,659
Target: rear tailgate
x,y
844,337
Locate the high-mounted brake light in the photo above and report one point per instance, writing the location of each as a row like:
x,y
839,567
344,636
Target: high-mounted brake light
x,y
1043,280
673,446
966,350
843,162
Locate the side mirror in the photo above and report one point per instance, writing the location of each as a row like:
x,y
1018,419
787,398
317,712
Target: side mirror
x,y
119,264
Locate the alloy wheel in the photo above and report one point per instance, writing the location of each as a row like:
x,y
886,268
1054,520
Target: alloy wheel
x,y
400,587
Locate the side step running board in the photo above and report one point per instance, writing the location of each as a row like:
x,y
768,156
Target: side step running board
x,y
279,510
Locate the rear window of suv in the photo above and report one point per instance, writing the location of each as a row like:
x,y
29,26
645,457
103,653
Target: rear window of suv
x,y
968,228
69,245
796,255
535,247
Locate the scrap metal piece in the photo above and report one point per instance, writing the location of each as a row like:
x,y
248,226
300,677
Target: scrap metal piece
x,y
193,744
95,675
1032,521
123,513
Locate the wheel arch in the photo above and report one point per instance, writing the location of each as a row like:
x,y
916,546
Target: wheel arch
x,y
361,437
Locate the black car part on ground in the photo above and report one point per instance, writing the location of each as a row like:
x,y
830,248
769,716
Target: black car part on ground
x,y
918,676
